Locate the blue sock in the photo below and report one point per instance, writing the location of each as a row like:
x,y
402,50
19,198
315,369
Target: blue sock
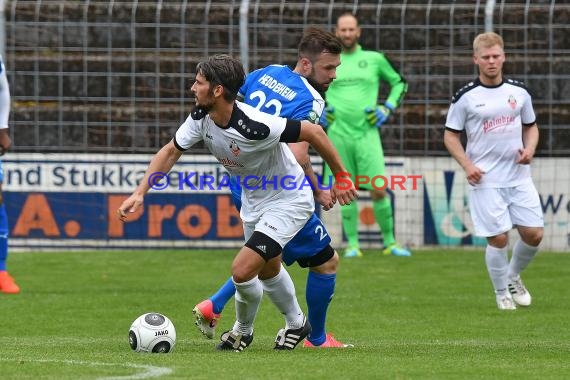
x,y
320,290
3,237
223,295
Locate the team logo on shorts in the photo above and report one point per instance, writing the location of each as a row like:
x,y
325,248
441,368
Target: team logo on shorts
x,y
234,148
512,102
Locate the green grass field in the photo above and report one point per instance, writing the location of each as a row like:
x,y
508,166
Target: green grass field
x,y
432,316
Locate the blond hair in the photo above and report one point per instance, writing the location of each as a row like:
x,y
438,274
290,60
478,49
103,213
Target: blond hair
x,y
487,40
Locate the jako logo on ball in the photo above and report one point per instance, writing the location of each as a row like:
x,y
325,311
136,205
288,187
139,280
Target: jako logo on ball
x,y
152,332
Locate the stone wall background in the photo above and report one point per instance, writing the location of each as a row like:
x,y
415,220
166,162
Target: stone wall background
x,y
113,76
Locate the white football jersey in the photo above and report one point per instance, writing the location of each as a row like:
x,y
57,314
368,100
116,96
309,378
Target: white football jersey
x,y
250,148
493,118
4,97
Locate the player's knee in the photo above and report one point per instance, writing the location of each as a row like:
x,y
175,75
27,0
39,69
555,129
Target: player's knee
x,y
241,273
246,265
271,269
499,241
240,276
533,237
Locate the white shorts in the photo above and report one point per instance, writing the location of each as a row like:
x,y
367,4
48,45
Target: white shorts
x,y
496,210
281,223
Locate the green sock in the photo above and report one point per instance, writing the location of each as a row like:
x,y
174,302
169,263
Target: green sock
x,y
350,223
385,219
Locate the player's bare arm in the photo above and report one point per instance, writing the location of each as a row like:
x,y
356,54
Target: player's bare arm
x,y
162,162
530,141
316,136
452,142
301,152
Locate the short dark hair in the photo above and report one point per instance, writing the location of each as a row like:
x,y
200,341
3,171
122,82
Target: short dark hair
x,y
316,41
223,69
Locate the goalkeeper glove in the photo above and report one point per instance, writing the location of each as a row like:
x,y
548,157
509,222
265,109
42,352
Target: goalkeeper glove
x,y
328,118
379,115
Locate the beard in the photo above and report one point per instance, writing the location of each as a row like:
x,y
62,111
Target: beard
x,y
206,108
348,44
207,104
316,85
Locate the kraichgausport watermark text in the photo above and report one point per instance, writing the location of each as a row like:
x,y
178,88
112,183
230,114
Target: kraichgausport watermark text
x,y
194,181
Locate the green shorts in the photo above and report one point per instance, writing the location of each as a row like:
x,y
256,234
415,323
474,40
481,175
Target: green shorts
x,y
361,157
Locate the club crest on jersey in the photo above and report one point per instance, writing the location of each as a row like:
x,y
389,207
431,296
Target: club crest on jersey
x,y
235,148
512,102
313,117
362,64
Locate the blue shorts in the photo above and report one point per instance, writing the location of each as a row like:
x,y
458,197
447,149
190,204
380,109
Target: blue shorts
x,y
310,241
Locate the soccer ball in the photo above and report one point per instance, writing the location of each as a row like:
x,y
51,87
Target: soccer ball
x,y
152,332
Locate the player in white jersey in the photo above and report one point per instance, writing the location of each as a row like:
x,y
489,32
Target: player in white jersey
x,y
248,143
7,284
498,118
292,93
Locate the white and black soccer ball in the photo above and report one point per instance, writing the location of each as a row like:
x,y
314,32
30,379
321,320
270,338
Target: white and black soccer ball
x,y
152,332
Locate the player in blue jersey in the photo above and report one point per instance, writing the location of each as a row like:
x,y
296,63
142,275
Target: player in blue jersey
x,y
7,284
295,94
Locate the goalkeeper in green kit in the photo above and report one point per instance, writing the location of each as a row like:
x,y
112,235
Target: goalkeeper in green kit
x,y
354,117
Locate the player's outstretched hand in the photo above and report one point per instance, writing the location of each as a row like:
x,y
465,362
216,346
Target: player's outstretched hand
x,y
344,191
129,206
378,115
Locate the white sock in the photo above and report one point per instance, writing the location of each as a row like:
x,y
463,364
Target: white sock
x,y
281,291
247,298
497,266
522,256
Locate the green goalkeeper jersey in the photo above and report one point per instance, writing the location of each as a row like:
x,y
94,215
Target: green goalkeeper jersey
x,y
356,88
